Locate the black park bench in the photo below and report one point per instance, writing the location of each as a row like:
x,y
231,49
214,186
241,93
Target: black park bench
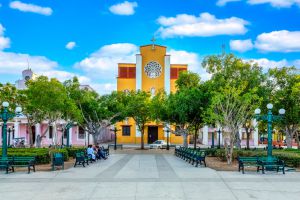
x,y
247,162
272,163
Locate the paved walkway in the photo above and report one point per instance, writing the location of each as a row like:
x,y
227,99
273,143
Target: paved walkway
x,y
148,176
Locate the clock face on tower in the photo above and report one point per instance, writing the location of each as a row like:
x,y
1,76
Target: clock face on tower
x,y
153,69
27,78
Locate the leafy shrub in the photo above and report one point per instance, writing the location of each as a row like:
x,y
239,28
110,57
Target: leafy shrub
x,y
63,151
291,158
72,150
42,155
211,152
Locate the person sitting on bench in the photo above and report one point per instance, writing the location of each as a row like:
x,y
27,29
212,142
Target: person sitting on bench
x,y
90,152
101,153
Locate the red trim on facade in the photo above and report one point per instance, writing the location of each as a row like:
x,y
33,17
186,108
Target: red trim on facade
x,y
127,72
174,73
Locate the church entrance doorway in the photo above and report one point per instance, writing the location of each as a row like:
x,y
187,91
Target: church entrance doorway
x,y
152,134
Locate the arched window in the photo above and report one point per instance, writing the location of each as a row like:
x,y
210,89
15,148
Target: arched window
x,y
152,92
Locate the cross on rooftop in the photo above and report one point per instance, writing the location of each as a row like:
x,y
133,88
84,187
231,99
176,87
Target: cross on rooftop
x,y
153,42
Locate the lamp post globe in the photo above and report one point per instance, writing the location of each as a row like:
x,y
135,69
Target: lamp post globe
x,y
5,104
18,109
257,111
282,111
270,106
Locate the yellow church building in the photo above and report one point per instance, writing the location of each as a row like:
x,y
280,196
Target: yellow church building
x,y
152,72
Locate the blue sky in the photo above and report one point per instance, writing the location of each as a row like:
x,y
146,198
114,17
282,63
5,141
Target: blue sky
x,y
102,33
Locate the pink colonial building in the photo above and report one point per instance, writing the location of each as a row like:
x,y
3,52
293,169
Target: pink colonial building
x,y
18,130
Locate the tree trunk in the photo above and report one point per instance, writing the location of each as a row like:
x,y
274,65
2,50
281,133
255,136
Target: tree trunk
x,y
289,138
297,139
38,141
185,142
195,138
142,138
30,134
238,140
248,137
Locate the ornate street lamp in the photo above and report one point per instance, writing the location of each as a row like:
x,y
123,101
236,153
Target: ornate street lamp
x,y
269,118
166,129
213,139
219,142
115,130
5,116
68,126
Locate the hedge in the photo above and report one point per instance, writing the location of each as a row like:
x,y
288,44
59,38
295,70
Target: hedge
x,y
73,150
42,155
290,157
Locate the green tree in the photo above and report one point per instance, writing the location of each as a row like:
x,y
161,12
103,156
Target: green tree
x,y
47,100
197,99
285,92
9,93
232,76
139,108
97,112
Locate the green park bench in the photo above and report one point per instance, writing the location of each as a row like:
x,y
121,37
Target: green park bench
x,y
18,161
81,159
58,160
6,164
191,155
271,164
199,158
247,162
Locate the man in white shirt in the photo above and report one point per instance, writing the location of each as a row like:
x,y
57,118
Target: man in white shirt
x,y
90,152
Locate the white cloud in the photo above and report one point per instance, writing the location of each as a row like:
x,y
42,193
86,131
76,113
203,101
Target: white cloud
x,y
241,45
104,88
192,59
70,45
276,3
279,41
125,8
104,62
273,3
14,63
25,7
296,63
64,75
184,25
224,2
4,41
268,64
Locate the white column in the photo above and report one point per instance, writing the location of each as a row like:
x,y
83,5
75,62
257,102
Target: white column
x,y
205,135
255,133
165,132
167,74
38,129
16,126
70,135
138,72
240,133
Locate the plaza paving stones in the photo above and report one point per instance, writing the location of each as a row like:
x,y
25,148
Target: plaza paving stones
x,y
147,176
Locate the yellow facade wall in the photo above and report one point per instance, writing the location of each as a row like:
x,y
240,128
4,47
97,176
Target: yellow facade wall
x,y
148,54
158,55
